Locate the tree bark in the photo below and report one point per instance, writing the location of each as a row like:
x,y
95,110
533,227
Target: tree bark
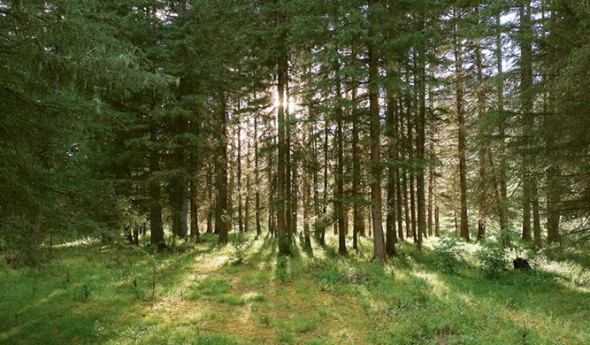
x,y
483,146
257,179
222,213
553,201
357,213
464,230
156,227
526,90
282,186
339,200
375,136
502,202
420,147
391,225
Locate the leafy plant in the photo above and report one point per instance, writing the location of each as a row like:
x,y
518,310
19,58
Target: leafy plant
x,y
282,271
239,245
446,252
492,258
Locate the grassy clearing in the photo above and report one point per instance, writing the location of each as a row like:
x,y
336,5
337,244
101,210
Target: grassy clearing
x,y
92,294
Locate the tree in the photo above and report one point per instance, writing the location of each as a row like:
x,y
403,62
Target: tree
x,y
375,137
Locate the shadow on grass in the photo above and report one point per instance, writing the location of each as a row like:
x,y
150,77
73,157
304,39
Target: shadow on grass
x,y
89,294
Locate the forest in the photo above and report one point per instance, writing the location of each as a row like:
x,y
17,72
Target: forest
x,y
294,172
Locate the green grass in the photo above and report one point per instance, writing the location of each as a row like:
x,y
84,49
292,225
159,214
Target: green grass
x,y
94,294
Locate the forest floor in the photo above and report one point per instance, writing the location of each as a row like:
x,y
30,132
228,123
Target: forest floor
x,y
95,294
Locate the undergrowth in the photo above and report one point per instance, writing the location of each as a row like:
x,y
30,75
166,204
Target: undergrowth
x,y
195,294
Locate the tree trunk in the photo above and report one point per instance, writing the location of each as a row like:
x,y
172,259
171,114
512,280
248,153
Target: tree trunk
x,y
502,201
322,229
357,214
340,168
431,185
282,77
375,139
194,207
436,222
195,235
239,176
222,214
536,212
553,201
420,146
178,185
307,130
210,208
483,146
391,225
257,179
526,90
406,197
156,227
248,199
462,128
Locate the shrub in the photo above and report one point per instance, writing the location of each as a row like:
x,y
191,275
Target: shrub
x,y
282,271
446,252
239,249
492,258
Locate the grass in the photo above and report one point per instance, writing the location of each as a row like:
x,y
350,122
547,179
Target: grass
x,y
92,294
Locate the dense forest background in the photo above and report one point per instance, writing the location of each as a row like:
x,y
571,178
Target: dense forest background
x,y
398,120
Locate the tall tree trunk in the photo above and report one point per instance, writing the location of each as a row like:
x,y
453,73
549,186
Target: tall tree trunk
x,y
483,146
178,185
282,186
248,199
340,167
315,173
462,129
210,208
502,201
195,235
431,154
239,175
536,212
294,194
413,220
430,206
399,205
526,90
406,197
436,222
375,136
553,172
288,160
553,201
194,207
357,213
222,213
403,151
391,225
526,206
410,157
307,137
272,190
257,179
322,229
156,227
421,146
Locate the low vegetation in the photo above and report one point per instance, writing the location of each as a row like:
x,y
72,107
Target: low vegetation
x,y
95,294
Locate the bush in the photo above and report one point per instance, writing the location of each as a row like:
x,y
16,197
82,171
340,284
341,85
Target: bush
x,y
446,252
239,249
22,244
282,271
492,258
